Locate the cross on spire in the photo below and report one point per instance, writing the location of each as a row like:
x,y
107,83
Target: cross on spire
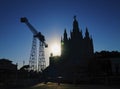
x,y
74,17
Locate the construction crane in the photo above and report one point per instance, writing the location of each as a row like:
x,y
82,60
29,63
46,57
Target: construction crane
x,y
36,63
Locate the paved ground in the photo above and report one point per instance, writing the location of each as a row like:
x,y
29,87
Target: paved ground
x,y
70,86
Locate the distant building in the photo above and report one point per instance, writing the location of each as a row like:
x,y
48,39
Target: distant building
x,y
8,71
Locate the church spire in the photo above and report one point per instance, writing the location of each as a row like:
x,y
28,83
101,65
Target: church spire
x,y
75,25
65,35
86,33
75,17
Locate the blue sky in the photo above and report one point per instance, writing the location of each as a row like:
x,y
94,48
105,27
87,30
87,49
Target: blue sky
x,y
51,17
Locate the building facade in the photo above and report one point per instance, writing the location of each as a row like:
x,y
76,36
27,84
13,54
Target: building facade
x,y
8,72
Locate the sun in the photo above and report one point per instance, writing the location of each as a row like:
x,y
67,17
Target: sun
x,y
55,49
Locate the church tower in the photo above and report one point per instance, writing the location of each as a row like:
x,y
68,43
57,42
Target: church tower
x,y
76,33
76,48
75,25
64,44
88,45
76,41
65,36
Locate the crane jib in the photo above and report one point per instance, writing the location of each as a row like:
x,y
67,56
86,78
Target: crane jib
x,y
34,31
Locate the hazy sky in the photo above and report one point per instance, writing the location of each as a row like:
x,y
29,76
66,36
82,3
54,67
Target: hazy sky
x,y
51,17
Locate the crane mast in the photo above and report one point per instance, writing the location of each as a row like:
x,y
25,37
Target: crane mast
x,y
36,63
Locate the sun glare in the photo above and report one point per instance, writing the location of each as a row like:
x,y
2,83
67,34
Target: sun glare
x,y
56,49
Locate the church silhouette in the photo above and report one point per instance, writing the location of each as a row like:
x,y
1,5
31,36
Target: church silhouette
x,y
76,47
76,52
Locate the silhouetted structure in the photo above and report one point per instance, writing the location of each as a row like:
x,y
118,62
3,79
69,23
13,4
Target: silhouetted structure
x,y
8,72
77,47
76,52
109,61
34,63
79,64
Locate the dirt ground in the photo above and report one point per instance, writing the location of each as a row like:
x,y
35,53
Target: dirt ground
x,y
51,85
